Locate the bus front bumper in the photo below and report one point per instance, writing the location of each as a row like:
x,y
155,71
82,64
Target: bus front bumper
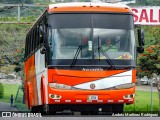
x,y
57,96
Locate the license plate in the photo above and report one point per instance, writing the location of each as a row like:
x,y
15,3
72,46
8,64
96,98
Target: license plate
x,y
93,97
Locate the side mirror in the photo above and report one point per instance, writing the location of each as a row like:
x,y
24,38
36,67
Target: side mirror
x,y
43,50
140,49
141,37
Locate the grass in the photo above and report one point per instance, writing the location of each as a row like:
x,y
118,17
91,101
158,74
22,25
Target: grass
x,y
18,102
20,106
143,101
8,90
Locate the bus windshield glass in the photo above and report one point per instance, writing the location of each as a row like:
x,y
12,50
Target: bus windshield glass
x,y
87,35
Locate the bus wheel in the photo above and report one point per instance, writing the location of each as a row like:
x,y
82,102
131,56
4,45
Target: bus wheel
x,y
33,110
117,108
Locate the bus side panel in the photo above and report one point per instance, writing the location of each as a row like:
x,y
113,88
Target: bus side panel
x,y
134,76
25,85
34,70
41,74
31,82
83,80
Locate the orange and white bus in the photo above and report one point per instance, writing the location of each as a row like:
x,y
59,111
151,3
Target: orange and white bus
x,y
66,66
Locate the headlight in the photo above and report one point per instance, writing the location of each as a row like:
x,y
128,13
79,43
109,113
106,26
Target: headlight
x,y
125,86
59,86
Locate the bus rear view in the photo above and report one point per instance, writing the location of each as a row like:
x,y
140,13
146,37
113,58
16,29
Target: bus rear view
x,y
89,57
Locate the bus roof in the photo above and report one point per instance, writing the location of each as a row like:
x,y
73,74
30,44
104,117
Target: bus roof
x,y
85,7
88,7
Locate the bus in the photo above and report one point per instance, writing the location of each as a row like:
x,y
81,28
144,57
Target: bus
x,y
66,66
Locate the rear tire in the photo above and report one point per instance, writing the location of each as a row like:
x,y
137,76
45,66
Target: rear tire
x,y
33,110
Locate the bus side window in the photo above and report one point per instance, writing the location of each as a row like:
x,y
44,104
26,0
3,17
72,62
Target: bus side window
x,y
42,30
30,49
41,33
31,41
38,35
34,38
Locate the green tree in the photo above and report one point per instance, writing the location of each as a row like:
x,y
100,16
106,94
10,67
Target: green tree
x,y
12,42
149,61
1,90
18,61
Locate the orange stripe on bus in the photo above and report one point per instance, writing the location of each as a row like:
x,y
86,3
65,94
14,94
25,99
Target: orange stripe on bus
x,y
89,9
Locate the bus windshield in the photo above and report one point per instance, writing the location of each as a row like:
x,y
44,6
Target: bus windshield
x,y
87,35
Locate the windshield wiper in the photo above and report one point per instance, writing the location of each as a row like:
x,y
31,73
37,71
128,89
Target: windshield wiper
x,y
76,55
105,54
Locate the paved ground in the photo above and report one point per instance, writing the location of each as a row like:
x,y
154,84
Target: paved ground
x,y
7,107
146,88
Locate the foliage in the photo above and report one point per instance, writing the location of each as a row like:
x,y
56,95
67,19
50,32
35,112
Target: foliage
x,y
149,61
23,19
138,2
7,69
1,91
12,39
19,102
148,2
27,13
145,3
21,106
